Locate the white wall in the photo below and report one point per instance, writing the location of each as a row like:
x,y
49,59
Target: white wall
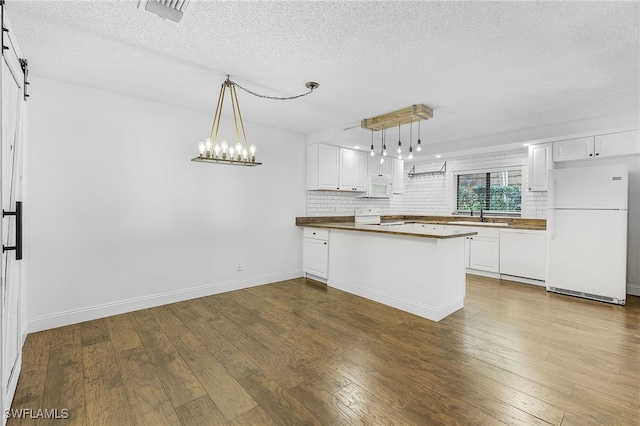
x,y
118,218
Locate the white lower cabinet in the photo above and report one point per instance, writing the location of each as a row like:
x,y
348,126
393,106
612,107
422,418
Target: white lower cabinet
x,y
523,254
513,254
482,251
315,252
484,254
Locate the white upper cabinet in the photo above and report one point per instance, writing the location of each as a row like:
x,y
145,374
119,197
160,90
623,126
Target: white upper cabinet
x,y
539,165
573,149
398,176
335,169
600,146
617,144
353,170
322,167
376,169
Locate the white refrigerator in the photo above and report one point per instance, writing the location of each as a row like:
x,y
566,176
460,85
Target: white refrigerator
x,y
587,232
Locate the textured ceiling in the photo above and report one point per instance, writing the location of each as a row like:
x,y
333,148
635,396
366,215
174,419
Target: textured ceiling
x,y
484,67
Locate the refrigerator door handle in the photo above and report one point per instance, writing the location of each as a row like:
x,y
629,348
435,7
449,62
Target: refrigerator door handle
x,y
552,223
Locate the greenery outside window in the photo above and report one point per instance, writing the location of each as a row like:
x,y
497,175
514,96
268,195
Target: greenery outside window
x,y
495,192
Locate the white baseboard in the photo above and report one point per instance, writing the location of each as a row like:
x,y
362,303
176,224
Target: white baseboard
x,y
429,312
483,273
108,309
316,278
633,289
541,283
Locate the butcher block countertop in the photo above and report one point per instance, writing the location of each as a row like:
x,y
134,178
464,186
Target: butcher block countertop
x,y
347,222
394,230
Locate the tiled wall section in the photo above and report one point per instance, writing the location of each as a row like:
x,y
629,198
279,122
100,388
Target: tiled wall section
x,y
430,194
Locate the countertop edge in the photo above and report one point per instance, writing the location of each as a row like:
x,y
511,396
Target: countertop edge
x,y
514,223
346,226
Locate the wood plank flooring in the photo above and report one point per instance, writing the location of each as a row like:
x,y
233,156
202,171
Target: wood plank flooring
x,y
295,352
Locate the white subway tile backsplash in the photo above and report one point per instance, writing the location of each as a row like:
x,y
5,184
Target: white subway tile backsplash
x,y
429,194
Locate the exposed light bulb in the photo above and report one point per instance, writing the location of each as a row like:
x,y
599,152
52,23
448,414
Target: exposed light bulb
x,y
208,144
399,156
216,150
410,157
252,150
232,151
399,147
372,150
245,154
202,148
239,150
224,147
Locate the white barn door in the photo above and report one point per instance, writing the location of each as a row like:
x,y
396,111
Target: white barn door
x,y
12,108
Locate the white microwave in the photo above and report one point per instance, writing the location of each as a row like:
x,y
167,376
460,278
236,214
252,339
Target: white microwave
x,y
378,187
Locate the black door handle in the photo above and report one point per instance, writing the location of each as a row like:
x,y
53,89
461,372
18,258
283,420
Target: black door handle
x,y
18,215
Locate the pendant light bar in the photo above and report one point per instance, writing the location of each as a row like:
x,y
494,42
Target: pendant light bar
x,y
402,116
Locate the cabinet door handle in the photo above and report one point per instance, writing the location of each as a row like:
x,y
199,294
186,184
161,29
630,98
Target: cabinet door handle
x,y
597,153
590,155
325,243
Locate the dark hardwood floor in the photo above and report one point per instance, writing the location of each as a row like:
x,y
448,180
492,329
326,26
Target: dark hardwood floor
x,y
294,353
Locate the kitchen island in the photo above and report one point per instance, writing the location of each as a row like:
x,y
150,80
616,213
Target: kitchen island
x,y
417,270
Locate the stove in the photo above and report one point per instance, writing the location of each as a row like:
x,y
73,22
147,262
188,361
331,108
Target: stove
x,y
372,217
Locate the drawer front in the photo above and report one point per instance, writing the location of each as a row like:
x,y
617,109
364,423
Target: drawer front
x,y
317,233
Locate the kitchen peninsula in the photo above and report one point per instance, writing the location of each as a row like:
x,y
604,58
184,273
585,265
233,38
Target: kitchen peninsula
x,y
412,267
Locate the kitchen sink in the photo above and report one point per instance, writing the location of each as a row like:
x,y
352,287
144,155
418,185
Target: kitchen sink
x,y
464,222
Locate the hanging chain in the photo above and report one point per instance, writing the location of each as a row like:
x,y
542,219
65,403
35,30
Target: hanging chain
x,y
310,85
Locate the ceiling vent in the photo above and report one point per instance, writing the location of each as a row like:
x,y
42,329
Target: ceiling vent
x,y
172,10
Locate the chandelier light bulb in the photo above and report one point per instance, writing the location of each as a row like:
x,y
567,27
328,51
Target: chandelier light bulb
x,y
216,150
252,150
232,151
224,147
202,148
239,150
245,155
208,144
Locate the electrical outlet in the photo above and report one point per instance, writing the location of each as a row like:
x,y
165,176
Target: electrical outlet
x,y
240,266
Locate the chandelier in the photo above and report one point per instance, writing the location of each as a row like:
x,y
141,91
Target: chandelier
x,y
240,153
